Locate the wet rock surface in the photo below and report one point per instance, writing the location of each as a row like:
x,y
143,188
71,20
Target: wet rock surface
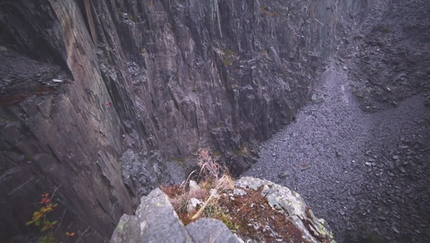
x,y
359,155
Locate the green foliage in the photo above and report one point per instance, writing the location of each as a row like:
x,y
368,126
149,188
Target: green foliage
x,y
229,52
227,58
39,217
246,214
48,225
226,219
47,239
227,61
41,221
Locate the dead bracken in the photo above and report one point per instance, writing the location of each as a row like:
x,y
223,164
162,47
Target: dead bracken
x,y
248,214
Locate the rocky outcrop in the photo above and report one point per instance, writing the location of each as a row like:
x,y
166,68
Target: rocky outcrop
x,y
293,206
156,78
156,220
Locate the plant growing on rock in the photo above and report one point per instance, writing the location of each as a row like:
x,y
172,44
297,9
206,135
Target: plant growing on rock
x,y
208,167
191,203
40,220
244,211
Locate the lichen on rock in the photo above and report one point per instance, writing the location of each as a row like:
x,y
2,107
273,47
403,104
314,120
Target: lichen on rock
x,y
254,210
280,197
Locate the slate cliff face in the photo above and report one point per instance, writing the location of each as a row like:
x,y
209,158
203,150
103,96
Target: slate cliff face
x,y
159,77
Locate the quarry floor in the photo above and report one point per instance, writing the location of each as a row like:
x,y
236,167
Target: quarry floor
x,y
367,174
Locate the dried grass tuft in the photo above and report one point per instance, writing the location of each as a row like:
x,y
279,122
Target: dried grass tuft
x,y
208,167
224,183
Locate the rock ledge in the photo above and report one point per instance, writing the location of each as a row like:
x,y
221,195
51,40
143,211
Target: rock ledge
x,y
156,220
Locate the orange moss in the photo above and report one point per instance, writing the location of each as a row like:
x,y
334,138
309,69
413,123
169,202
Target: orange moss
x,y
249,216
257,220
172,191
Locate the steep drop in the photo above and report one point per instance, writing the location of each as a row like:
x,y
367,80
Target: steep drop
x,y
359,154
143,82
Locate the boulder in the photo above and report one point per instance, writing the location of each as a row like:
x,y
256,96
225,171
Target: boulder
x,y
156,221
280,197
211,230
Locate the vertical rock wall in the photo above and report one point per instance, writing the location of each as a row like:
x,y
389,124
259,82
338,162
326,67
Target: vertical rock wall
x,y
68,141
161,78
215,73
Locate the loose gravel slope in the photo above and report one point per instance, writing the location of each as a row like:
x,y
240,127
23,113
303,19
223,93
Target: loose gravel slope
x,y
367,174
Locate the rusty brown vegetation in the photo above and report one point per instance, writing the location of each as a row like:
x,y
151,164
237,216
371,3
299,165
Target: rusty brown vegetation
x,y
249,215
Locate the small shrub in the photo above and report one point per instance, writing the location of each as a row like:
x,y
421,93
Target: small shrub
x,y
227,61
41,220
249,215
229,52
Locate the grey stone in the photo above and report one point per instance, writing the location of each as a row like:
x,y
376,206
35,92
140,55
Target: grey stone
x,y
165,68
280,197
284,174
155,221
239,192
317,98
211,230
